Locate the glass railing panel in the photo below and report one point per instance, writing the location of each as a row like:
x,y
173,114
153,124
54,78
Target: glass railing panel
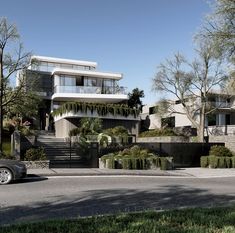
x,y
90,90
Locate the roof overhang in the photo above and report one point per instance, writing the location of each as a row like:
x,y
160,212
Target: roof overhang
x,y
91,98
64,61
106,75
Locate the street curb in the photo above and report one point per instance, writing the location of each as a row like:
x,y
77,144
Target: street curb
x,y
104,174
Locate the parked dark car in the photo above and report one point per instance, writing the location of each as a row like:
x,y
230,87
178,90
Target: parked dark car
x,y
11,170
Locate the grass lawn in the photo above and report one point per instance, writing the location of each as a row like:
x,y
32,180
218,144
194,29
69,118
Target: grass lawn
x,y
196,220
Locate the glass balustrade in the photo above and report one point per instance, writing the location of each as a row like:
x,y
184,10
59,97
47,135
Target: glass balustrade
x,y
90,90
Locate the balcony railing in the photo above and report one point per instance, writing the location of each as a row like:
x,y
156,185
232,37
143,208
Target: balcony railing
x,y
90,90
219,130
221,104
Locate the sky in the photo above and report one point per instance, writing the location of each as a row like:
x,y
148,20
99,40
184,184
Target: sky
x,y
128,36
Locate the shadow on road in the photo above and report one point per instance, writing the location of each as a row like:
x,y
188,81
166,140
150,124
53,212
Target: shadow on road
x,y
29,179
112,201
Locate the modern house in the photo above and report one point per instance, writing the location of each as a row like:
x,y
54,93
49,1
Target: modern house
x,y
63,83
221,121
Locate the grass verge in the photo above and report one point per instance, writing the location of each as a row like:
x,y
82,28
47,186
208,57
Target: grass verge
x,y
198,220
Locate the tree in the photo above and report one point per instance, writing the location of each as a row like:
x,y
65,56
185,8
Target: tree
x,y
91,126
10,63
220,27
134,98
191,83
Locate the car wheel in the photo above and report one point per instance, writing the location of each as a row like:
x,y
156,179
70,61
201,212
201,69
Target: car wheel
x,y
5,175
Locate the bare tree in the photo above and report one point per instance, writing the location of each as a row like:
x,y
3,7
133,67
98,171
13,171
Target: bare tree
x,y
220,28
190,83
11,60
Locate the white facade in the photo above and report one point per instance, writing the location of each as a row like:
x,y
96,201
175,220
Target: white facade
x,y
74,80
64,80
221,120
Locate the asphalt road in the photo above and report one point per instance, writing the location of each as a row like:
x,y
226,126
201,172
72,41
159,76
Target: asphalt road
x,y
70,197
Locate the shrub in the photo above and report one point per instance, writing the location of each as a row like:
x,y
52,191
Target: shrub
x,y
163,163
221,162
26,131
221,151
213,161
158,133
204,161
34,154
217,162
126,163
233,161
228,162
134,158
74,132
110,163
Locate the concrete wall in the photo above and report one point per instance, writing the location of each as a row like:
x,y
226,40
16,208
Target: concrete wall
x,y
63,126
184,154
162,139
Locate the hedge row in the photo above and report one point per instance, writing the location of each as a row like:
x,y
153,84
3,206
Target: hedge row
x,y
164,163
218,162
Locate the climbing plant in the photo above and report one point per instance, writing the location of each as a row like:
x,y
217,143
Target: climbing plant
x,y
100,108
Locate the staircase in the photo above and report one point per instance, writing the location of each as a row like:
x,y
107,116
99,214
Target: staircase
x,y
59,153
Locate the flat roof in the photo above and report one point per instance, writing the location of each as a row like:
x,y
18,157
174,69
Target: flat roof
x,y
64,61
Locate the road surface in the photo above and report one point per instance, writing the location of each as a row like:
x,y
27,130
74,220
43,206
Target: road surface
x,y
70,197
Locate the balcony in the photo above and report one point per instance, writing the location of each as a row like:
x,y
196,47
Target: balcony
x,y
90,90
221,104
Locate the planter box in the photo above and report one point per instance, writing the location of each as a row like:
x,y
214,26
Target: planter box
x,y
42,164
151,166
162,139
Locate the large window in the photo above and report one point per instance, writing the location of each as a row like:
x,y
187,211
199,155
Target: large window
x,y
90,82
211,119
168,122
66,80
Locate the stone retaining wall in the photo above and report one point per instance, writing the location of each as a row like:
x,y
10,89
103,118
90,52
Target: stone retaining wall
x,y
37,164
229,140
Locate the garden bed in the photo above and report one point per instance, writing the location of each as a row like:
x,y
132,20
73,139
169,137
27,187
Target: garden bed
x,y
135,158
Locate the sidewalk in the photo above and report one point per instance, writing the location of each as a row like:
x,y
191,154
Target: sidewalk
x,y
182,172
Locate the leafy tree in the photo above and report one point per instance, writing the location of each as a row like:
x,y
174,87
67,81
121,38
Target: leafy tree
x,y
190,83
10,63
134,100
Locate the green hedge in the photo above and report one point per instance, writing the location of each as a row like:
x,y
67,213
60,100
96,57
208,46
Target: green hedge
x,y
218,162
137,159
158,133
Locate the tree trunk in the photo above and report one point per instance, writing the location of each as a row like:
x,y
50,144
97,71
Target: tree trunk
x,y
201,128
1,96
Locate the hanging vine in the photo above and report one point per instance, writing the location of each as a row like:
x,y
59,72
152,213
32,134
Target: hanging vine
x,y
100,108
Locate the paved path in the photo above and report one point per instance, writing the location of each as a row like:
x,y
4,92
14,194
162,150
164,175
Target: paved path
x,y
69,197
185,172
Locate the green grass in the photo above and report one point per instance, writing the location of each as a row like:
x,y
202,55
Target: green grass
x,y
198,220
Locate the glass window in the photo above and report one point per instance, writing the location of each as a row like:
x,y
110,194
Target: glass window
x,y
91,82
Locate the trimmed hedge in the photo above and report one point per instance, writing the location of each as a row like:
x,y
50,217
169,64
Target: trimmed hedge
x,y
164,163
218,162
137,159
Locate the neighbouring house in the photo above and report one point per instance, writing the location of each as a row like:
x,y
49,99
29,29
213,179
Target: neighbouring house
x,y
63,83
221,121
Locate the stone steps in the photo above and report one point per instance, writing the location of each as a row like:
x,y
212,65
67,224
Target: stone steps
x,y
59,153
